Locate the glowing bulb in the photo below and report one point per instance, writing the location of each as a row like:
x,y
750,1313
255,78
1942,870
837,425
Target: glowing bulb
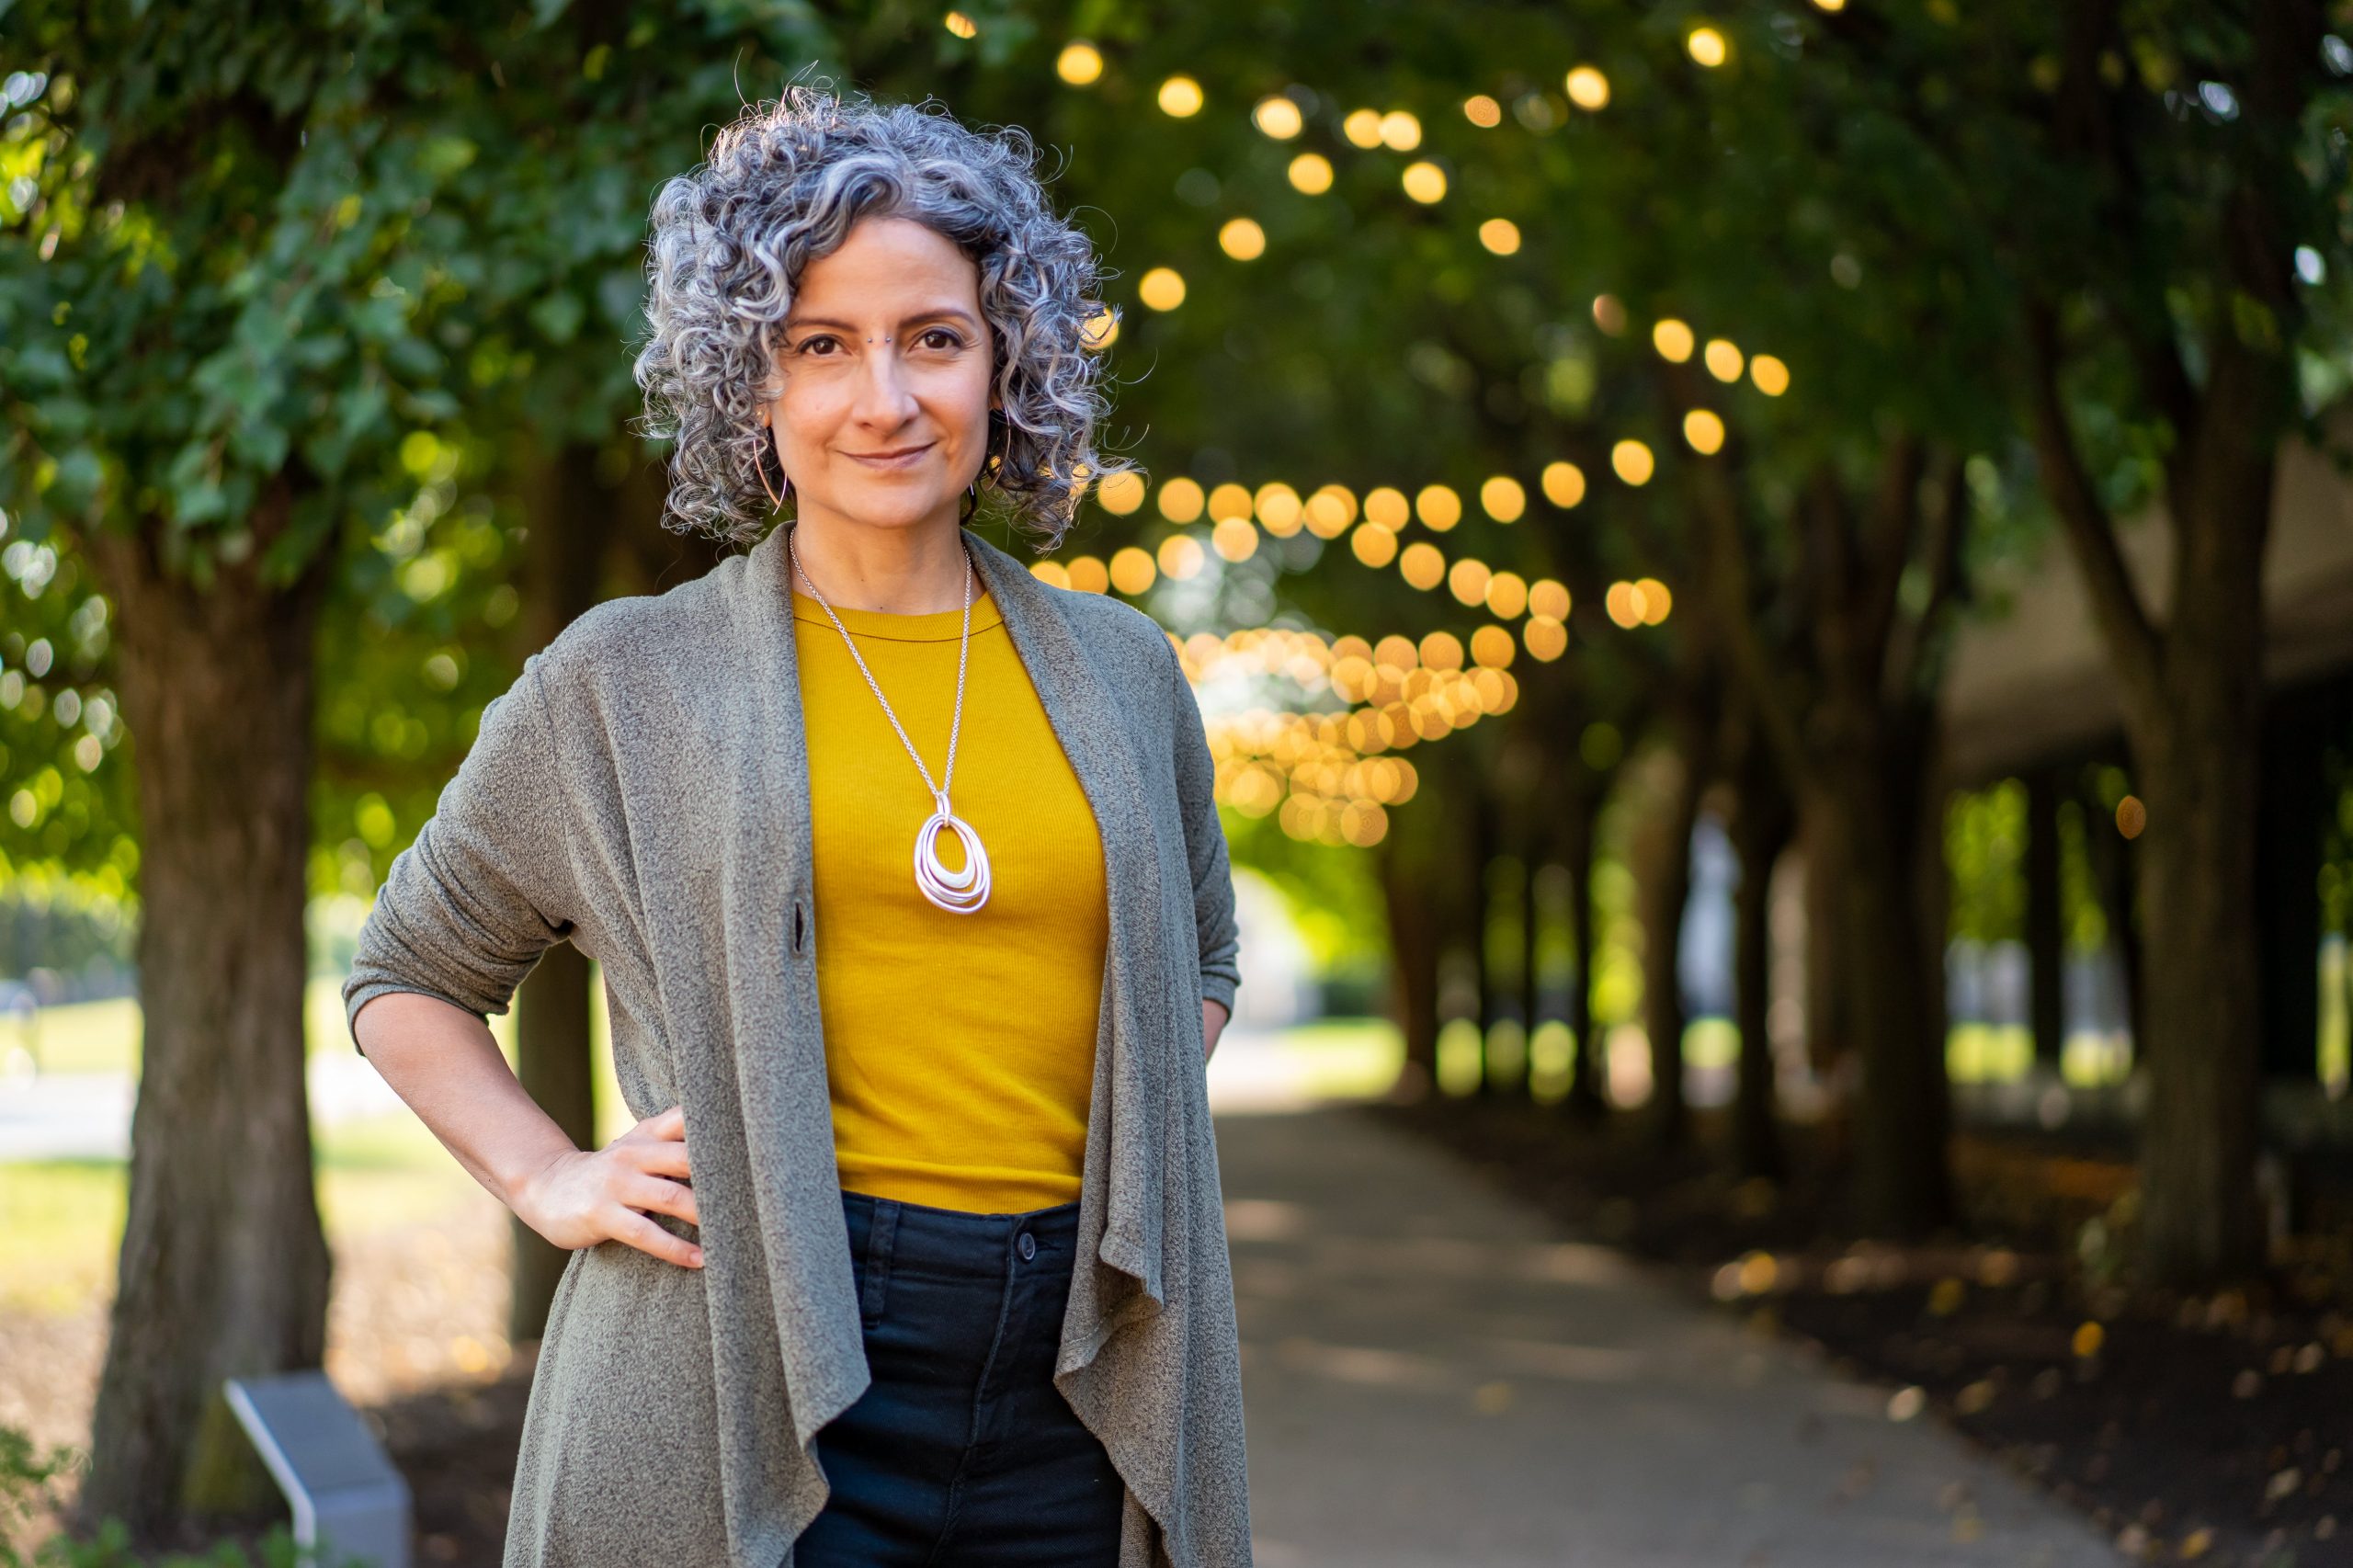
x,y
1180,97
1563,484
1241,239
1500,235
1673,340
1503,498
1424,181
1180,501
1163,289
1278,117
1632,462
1589,88
1079,63
1311,173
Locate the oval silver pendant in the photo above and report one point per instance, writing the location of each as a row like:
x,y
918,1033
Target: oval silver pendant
x,y
960,893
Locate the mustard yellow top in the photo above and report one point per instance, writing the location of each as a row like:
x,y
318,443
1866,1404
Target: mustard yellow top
x,y
960,1049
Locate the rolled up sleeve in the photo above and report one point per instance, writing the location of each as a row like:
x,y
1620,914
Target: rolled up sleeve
x,y
486,888
1213,918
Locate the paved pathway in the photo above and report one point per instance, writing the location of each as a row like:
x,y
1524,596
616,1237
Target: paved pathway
x,y
1434,1377
86,1115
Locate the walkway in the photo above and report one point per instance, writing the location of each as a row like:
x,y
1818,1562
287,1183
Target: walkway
x,y
1435,1378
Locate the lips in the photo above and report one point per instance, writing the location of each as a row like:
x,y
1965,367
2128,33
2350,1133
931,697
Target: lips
x,y
893,460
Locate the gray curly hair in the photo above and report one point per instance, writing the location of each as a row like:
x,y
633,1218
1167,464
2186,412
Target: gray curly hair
x,y
783,186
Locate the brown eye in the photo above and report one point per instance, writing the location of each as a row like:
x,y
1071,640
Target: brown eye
x,y
948,340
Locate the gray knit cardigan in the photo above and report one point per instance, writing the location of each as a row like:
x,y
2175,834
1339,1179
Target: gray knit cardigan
x,y
643,790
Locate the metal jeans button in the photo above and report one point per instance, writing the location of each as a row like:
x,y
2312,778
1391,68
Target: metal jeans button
x,y
1027,1246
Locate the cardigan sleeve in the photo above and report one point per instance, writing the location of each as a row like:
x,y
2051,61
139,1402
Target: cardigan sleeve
x,y
469,908
1213,917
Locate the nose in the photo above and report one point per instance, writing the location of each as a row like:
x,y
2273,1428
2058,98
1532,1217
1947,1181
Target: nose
x,y
884,402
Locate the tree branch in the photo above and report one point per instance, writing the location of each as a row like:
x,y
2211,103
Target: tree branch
x,y
2124,624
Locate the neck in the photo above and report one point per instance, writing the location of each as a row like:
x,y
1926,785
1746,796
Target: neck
x,y
917,570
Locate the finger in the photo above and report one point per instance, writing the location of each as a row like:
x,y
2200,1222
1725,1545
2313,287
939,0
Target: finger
x,y
659,1157
671,1123
635,1229
664,1197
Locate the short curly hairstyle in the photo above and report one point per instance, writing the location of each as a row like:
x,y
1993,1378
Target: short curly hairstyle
x,y
783,186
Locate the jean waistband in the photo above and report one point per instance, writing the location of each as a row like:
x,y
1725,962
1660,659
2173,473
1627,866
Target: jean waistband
x,y
946,1237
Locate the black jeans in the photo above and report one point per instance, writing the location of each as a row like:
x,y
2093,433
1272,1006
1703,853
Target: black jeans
x,y
962,1452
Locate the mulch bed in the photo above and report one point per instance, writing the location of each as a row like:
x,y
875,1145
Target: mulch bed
x,y
2190,1428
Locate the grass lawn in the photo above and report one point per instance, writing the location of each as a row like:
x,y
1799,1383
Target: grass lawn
x,y
61,1220
103,1037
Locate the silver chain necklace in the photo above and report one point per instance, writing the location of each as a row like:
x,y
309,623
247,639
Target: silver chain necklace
x,y
960,893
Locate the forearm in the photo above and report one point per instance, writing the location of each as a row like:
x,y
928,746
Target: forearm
x,y
442,1061
1213,1018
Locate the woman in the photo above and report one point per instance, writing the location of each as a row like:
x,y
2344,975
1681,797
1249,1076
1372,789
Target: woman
x,y
906,877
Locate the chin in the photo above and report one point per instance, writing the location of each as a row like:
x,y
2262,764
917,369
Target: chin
x,y
906,510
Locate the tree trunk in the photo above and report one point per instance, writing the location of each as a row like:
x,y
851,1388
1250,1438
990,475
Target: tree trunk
x,y
573,518
1663,891
1881,786
1760,831
224,1268
2289,825
2111,856
1588,1089
2046,935
1414,944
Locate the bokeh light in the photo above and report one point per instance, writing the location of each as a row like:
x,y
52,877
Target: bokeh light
x,y
1278,117
1424,181
1422,565
1121,494
1500,235
1310,172
1587,88
1180,97
1181,500
1503,498
1632,462
1438,506
1162,288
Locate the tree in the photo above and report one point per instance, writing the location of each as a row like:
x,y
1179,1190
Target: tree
x,y
2165,183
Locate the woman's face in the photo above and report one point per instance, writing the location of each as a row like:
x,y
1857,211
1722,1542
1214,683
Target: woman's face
x,y
881,406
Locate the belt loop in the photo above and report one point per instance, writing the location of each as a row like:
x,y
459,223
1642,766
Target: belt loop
x,y
882,1234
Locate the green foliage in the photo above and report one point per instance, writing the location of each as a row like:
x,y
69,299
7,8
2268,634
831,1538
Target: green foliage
x,y
30,1486
1985,851
64,794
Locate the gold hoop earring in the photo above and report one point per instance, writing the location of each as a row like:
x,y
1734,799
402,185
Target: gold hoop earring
x,y
760,463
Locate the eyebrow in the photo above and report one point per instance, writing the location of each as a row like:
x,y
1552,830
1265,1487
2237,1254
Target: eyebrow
x,y
943,312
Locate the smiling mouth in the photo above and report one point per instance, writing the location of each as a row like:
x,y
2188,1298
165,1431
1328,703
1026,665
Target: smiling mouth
x,y
900,455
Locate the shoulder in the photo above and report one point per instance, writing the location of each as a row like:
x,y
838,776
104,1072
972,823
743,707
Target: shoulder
x,y
623,641
1115,630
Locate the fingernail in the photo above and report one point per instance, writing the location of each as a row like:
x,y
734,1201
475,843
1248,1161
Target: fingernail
x,y
698,1257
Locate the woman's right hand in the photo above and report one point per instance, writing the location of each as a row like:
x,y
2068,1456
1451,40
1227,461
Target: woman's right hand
x,y
580,1199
